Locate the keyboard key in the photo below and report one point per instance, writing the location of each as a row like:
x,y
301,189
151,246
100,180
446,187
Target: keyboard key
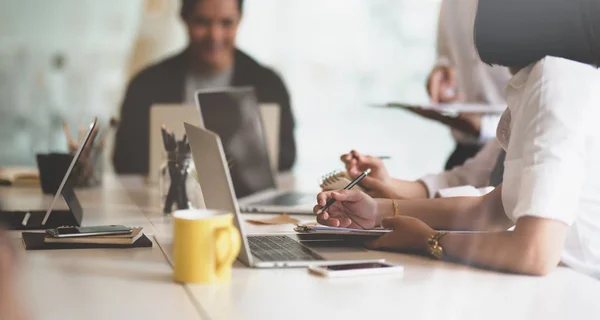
x,y
286,199
280,248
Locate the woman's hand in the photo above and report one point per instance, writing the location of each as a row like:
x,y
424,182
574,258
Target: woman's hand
x,y
379,183
442,85
410,234
352,209
356,163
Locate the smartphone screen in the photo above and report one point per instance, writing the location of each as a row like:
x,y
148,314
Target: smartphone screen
x,y
356,266
80,230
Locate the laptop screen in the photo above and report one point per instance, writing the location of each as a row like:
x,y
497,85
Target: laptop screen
x,y
208,153
67,192
234,114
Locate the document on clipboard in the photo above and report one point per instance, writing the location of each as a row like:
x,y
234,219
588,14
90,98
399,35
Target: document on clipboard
x,y
450,108
320,229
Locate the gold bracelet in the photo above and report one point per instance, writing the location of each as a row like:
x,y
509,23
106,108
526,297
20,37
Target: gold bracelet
x,y
433,245
396,210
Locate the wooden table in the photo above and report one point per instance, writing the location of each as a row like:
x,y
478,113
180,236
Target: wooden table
x,y
101,283
428,289
136,284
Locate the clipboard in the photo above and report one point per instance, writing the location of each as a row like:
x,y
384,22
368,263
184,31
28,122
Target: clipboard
x,y
450,109
326,230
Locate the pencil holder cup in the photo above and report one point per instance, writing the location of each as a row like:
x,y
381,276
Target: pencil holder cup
x,y
87,172
179,188
89,169
52,168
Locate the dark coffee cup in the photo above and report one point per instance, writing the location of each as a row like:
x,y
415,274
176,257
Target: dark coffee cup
x,y
52,167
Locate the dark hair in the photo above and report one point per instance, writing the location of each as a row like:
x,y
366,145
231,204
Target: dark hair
x,y
187,7
516,33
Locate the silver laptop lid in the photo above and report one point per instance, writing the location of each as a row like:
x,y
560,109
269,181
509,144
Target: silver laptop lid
x,y
234,114
67,192
214,178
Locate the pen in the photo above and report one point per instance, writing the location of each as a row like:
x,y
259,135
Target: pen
x,y
167,139
183,145
348,187
72,144
379,157
173,141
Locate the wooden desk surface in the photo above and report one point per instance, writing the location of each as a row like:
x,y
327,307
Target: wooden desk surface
x,y
102,282
427,290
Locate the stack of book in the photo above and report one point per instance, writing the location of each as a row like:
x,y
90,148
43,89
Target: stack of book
x,y
119,239
19,176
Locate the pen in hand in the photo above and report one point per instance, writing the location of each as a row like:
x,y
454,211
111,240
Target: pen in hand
x,y
378,157
348,187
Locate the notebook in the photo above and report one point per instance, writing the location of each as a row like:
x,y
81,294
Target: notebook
x,y
337,180
35,241
19,176
321,229
135,234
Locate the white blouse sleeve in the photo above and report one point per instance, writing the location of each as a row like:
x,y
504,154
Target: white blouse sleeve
x,y
545,161
474,172
489,123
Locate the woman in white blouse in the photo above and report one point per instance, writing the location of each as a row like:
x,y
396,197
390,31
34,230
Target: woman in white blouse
x,y
551,186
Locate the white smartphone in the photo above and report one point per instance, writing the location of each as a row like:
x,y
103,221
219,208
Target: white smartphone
x,y
356,269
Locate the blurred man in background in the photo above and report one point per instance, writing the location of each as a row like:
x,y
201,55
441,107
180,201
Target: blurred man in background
x,y
211,60
459,74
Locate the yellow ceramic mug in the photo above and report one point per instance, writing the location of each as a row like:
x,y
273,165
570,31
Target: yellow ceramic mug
x,y
205,245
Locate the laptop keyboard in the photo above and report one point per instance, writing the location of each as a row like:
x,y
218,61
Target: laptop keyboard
x,y
286,199
280,248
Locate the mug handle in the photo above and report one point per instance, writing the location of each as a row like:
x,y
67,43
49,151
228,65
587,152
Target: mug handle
x,y
234,247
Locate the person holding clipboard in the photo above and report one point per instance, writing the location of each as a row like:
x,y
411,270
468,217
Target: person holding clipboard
x,y
460,76
550,193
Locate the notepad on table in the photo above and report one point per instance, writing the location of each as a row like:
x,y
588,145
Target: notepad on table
x,y
321,229
19,176
124,239
337,180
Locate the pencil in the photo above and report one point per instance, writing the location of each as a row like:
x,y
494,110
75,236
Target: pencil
x,y
378,157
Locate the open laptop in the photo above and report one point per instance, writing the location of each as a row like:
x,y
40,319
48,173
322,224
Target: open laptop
x,y
18,212
174,115
234,115
259,251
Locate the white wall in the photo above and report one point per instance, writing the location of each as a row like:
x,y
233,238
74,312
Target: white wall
x,y
94,37
336,56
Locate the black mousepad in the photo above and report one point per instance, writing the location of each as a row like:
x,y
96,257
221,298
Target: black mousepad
x,y
35,241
